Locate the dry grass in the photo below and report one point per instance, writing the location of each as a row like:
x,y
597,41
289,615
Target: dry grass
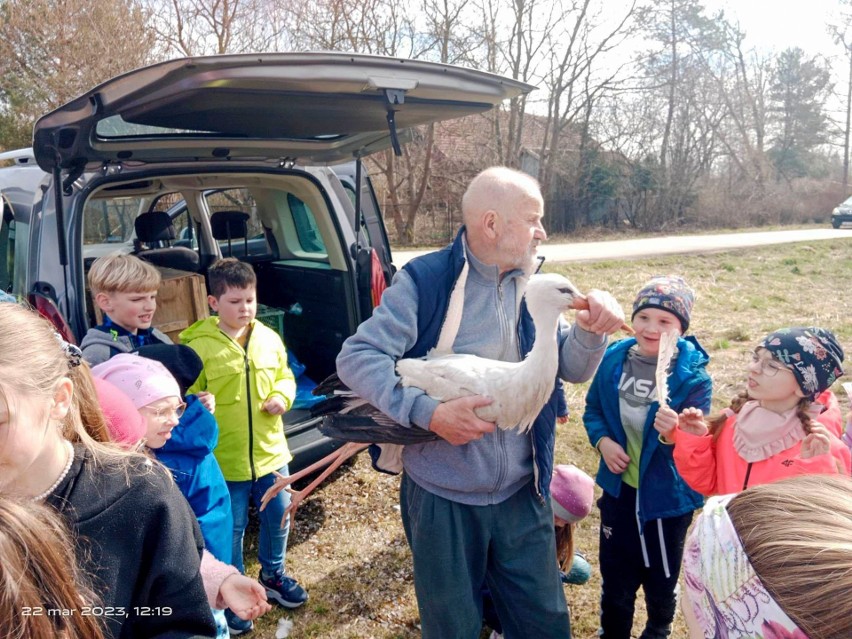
x,y
347,545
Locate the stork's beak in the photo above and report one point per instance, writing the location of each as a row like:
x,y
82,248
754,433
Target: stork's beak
x,y
580,303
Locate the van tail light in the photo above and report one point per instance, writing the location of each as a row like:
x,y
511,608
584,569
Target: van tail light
x,y
48,309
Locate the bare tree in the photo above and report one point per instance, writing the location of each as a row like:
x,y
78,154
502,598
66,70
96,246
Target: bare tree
x,y
52,50
842,35
204,27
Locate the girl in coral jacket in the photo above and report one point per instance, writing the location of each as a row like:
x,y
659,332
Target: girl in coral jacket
x,y
775,428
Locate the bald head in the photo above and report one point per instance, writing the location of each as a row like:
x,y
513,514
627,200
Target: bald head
x,y
498,189
502,210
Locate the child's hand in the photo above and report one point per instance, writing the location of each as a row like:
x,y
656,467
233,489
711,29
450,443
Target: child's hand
x,y
274,405
613,455
691,420
207,399
665,422
244,596
816,443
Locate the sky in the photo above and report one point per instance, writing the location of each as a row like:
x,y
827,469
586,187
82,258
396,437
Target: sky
x,y
780,24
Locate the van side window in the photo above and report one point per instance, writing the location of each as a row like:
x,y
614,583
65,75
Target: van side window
x,y
308,234
110,220
7,246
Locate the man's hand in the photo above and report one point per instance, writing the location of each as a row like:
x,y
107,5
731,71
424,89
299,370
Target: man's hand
x,y
457,422
665,422
605,315
274,405
613,455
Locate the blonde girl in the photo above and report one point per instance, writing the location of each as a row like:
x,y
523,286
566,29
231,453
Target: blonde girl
x,y
136,535
773,562
40,578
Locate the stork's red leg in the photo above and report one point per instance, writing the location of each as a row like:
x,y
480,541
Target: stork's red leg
x,y
297,496
285,480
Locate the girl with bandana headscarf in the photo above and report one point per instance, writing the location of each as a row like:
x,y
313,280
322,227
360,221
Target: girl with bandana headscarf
x,y
775,428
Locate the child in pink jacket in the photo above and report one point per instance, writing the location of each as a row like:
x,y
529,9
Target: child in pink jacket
x,y
774,429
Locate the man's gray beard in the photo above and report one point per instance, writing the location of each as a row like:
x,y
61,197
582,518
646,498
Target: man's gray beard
x,y
531,264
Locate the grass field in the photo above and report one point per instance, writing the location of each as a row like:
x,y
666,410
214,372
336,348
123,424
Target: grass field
x,y
347,545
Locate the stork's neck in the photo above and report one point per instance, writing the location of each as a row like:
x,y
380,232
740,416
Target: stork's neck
x,y
544,356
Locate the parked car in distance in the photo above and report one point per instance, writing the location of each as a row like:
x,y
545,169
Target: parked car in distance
x,y
188,160
842,213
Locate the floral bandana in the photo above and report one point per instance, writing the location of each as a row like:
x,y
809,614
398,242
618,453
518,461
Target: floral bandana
x,y
813,354
727,597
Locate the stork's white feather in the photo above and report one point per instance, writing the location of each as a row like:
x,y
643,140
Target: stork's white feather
x,y
668,348
518,389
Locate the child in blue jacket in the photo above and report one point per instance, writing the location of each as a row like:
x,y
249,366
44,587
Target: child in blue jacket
x,y
646,508
189,452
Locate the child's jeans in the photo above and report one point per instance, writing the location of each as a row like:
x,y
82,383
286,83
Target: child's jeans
x,y
272,542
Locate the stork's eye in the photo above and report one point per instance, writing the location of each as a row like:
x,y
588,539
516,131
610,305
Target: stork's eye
x,y
566,290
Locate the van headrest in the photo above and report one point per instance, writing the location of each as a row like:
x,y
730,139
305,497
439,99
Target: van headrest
x,y
229,225
154,226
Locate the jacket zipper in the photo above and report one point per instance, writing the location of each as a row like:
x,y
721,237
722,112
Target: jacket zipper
x,y
248,404
500,441
748,472
532,430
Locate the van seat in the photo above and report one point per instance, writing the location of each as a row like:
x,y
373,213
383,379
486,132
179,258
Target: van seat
x,y
155,229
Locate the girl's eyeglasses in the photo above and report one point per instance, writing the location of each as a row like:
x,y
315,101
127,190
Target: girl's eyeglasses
x,y
768,367
164,413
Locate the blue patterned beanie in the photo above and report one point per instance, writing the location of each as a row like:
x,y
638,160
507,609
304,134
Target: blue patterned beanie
x,y
813,355
667,292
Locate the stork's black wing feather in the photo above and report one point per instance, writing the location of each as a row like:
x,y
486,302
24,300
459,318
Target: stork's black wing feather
x,y
368,430
349,418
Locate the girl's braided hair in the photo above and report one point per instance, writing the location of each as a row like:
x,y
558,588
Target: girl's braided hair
x,y
715,422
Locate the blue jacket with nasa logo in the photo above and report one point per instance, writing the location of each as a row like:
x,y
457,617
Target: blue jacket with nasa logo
x,y
662,492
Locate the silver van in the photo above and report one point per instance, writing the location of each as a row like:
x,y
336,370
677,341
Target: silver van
x,y
185,161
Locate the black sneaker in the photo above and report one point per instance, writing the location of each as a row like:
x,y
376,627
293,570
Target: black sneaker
x,y
284,590
237,626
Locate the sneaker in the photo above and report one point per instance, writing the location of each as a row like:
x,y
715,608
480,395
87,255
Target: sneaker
x,y
237,626
284,590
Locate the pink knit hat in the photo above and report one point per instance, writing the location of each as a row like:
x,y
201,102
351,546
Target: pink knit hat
x,y
125,424
571,493
143,380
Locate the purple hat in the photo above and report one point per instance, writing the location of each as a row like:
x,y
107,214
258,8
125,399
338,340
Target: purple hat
x,y
667,292
571,493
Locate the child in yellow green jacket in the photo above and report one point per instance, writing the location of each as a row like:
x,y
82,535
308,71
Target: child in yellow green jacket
x,y
245,368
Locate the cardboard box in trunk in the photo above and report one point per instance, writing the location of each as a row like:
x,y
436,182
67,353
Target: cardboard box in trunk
x,y
181,300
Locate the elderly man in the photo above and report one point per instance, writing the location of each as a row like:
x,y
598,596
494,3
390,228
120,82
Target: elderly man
x,y
474,503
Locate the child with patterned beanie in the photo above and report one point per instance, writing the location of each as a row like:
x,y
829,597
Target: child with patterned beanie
x,y
646,507
775,427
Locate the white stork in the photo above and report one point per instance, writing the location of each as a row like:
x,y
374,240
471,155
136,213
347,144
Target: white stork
x,y
518,390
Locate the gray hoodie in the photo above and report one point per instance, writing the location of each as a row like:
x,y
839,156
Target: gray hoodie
x,y
484,471
98,346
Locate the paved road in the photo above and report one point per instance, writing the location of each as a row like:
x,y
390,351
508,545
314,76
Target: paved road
x,y
670,245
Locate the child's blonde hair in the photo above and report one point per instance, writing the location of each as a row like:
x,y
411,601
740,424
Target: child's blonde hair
x,y
37,569
122,274
797,533
32,364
